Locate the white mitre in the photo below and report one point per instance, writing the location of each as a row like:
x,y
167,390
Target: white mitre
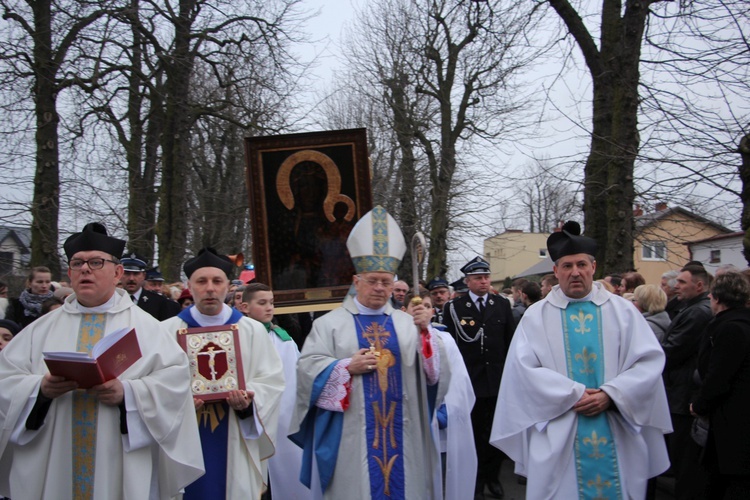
x,y
376,243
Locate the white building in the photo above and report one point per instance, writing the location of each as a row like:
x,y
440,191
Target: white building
x,y
15,250
717,251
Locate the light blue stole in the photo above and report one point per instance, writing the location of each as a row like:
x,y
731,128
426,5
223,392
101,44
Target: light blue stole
x,y
595,453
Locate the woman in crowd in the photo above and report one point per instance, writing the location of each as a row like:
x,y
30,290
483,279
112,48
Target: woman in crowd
x,y
651,301
28,306
629,282
724,369
8,330
186,299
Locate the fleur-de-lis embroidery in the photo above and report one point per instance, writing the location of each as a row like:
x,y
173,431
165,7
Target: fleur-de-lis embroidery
x,y
599,485
586,357
595,441
581,318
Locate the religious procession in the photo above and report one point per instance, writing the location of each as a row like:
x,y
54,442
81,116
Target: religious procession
x,y
583,388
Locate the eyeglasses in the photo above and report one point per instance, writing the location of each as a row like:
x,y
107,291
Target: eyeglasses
x,y
94,264
386,283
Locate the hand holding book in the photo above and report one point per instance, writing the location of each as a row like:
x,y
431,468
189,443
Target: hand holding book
x,y
110,357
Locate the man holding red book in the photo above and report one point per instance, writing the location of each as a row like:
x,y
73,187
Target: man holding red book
x,y
238,431
131,437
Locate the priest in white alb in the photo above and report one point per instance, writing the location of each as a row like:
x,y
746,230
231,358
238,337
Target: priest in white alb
x,y
238,432
133,437
368,380
582,409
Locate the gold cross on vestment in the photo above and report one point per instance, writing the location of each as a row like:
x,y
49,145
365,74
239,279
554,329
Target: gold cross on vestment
x,y
375,334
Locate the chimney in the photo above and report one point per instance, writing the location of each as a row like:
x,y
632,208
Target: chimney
x,y
661,206
637,211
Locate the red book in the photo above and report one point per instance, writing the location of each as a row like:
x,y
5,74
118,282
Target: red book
x,y
215,360
111,356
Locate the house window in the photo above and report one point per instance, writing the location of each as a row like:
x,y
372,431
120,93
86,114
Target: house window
x,y
654,250
715,256
542,253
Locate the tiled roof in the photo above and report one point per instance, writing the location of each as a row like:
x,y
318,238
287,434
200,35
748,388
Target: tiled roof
x,y
645,220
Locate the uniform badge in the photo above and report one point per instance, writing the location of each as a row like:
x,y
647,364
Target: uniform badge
x,y
471,323
463,322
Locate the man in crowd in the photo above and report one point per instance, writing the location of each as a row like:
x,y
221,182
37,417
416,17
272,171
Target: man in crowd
x,y
238,433
582,409
548,281
154,281
132,281
682,343
400,289
363,405
531,293
131,437
518,306
669,285
614,280
482,324
459,289
440,294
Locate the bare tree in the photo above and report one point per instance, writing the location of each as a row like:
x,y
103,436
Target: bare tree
x,y
446,71
669,85
695,89
177,65
45,44
547,197
613,65
219,211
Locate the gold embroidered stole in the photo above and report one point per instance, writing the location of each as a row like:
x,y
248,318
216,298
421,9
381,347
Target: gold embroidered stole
x,y
85,411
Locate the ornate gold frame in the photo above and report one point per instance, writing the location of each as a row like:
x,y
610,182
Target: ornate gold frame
x,y
297,249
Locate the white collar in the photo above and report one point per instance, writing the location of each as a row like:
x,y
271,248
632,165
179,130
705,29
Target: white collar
x,y
474,297
215,320
587,298
366,310
137,295
97,309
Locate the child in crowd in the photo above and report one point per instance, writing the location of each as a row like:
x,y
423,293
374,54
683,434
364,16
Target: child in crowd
x,y
454,415
285,465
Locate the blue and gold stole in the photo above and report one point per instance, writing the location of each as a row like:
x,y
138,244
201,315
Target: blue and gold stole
x,y
595,453
86,413
383,407
213,427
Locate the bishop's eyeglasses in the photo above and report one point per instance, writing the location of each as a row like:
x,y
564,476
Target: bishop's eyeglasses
x,y
385,283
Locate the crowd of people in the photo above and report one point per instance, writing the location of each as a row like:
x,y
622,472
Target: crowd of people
x,y
592,388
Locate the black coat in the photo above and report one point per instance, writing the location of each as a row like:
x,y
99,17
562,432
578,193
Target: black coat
x,y
725,393
484,360
16,312
158,306
681,344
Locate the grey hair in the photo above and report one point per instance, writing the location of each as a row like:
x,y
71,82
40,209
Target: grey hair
x,y
726,268
671,277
